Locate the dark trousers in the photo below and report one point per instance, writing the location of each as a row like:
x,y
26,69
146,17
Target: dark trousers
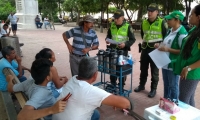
x,y
38,24
187,90
145,60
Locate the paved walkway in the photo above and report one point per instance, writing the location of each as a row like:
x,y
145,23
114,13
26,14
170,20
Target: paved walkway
x,y
35,40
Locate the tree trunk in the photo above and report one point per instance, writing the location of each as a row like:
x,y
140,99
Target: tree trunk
x,y
188,8
107,17
129,18
167,5
78,17
59,8
72,16
139,15
52,19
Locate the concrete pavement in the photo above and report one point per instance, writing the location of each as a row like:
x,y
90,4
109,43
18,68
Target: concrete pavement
x,y
35,40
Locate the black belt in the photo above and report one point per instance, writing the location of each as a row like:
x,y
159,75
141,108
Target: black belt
x,y
149,45
78,55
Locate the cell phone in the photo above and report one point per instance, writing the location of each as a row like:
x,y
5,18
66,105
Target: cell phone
x,y
67,97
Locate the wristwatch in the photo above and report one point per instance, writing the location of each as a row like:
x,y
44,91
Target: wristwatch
x,y
188,68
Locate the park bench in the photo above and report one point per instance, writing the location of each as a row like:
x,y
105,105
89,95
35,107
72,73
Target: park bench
x,y
136,25
7,99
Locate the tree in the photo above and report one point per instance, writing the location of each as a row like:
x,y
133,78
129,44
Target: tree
x,y
188,7
49,8
5,9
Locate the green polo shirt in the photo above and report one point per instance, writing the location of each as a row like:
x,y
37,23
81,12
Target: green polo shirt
x,y
180,62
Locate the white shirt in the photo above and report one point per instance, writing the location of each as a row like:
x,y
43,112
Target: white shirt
x,y
84,100
13,19
46,20
2,32
169,40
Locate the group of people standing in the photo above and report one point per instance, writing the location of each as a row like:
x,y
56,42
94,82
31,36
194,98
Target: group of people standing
x,y
180,77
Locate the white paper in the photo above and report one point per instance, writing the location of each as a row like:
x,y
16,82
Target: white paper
x,y
112,41
160,58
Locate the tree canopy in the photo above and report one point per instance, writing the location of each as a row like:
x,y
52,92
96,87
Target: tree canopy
x,y
7,6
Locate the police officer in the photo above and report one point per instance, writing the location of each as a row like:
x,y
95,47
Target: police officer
x,y
153,30
120,31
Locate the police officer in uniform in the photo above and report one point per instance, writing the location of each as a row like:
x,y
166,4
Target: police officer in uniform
x,y
122,32
153,30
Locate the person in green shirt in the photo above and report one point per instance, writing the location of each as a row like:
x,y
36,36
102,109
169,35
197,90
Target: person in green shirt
x,y
187,64
171,46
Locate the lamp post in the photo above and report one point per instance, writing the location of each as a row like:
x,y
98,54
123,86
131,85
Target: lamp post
x,y
101,26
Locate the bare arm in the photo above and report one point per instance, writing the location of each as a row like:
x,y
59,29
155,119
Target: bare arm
x,y
25,68
193,66
10,85
69,46
58,81
174,51
167,49
19,60
94,47
29,113
86,50
116,101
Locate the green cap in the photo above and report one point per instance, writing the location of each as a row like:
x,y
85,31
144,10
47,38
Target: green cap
x,y
175,14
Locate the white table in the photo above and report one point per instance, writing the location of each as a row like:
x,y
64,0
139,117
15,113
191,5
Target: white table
x,y
186,112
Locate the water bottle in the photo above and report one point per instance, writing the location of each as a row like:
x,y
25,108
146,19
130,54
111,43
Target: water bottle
x,y
129,59
108,49
113,62
106,61
100,55
120,58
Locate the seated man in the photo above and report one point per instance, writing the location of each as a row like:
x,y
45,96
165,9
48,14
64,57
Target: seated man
x,y
38,22
41,100
3,32
86,97
12,61
47,22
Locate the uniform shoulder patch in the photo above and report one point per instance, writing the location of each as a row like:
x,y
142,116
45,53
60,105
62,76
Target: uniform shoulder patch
x,y
166,26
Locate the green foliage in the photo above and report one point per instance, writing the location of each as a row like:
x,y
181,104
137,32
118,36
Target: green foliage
x,y
82,7
112,9
5,10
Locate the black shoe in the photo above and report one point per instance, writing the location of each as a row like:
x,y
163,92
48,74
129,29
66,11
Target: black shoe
x,y
21,44
152,93
139,88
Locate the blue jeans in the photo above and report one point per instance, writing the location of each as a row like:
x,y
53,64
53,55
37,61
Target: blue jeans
x,y
38,24
95,115
47,23
170,81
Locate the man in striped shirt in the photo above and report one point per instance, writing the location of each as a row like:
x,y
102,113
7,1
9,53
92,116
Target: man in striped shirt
x,y
84,40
